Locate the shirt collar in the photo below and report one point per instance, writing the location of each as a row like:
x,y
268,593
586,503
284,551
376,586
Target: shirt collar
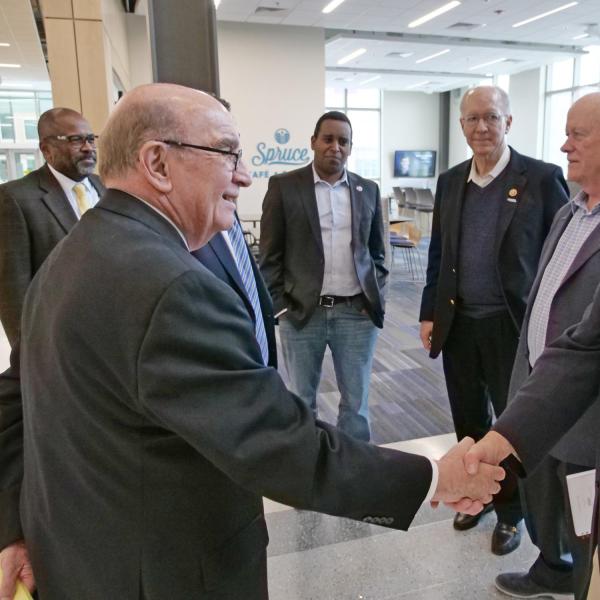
x,y
580,202
317,179
66,183
162,214
498,168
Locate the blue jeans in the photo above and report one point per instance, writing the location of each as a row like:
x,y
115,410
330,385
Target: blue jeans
x,y
351,337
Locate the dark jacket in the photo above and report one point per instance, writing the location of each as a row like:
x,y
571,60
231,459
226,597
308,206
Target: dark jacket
x,y
291,245
535,190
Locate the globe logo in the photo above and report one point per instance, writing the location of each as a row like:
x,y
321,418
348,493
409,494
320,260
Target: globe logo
x,y
282,136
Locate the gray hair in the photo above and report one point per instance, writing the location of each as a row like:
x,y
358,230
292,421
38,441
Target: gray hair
x,y
501,97
131,126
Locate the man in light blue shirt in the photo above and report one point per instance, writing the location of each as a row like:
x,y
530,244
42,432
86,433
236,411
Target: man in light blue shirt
x,y
322,255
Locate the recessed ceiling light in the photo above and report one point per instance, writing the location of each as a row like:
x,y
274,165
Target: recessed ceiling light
x,y
487,64
422,60
546,14
351,56
10,66
416,85
581,36
332,6
434,13
217,2
4,44
374,78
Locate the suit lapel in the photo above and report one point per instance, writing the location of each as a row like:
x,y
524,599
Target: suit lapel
x,y
54,199
516,182
223,254
456,196
356,206
306,190
589,248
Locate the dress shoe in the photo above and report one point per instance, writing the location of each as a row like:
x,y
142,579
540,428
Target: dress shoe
x,y
463,521
520,585
505,538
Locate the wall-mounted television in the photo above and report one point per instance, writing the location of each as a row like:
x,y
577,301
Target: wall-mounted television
x,y
414,163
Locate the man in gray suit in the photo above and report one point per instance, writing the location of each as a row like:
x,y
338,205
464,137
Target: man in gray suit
x,y
38,210
322,252
568,274
151,424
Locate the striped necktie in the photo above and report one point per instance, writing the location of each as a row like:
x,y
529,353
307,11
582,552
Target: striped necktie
x,y
242,259
81,197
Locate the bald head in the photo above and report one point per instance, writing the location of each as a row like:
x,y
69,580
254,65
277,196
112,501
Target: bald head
x,y
493,93
62,133
582,145
149,112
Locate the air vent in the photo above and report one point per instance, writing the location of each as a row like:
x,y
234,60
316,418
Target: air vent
x,y
398,54
270,10
514,61
464,26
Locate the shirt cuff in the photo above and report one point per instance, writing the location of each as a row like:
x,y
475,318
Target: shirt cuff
x,y
435,473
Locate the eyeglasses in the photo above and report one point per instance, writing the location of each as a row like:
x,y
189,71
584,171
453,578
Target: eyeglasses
x,y
489,118
75,140
235,156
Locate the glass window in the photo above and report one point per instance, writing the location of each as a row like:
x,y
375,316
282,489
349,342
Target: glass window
x,y
3,167
589,66
365,157
7,128
25,163
370,98
30,126
557,106
560,75
334,97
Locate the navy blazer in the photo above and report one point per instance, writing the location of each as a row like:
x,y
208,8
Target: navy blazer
x,y
523,224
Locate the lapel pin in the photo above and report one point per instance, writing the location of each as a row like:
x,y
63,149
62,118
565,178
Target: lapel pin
x,y
512,195
359,188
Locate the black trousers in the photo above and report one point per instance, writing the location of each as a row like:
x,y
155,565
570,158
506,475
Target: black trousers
x,y
563,564
478,358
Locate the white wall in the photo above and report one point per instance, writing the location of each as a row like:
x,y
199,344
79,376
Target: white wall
x,y
526,100
458,150
409,121
274,78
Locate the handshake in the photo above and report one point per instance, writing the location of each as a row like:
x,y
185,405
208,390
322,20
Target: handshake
x,y
469,475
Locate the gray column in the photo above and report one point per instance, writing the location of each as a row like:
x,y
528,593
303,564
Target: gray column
x,y
444,136
183,38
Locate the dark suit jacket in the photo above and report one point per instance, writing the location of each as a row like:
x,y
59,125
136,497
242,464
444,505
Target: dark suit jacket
x,y
217,258
34,216
291,246
570,301
152,428
563,385
521,230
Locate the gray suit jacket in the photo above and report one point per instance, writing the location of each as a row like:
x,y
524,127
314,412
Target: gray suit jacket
x,y
563,385
34,216
291,245
152,429
569,303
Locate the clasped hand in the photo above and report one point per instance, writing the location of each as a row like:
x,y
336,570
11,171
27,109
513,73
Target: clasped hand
x,y
466,491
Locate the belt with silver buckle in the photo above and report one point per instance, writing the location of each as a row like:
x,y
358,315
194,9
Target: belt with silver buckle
x,y
330,301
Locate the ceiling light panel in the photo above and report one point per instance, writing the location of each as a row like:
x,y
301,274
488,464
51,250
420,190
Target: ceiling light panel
x,y
351,56
433,14
545,14
331,6
426,58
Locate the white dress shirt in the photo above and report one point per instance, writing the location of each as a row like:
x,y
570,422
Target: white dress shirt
x,y
335,218
66,183
483,180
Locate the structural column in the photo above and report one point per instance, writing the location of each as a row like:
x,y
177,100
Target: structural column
x,y
79,71
183,37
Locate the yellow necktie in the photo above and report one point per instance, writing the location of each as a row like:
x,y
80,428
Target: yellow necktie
x,y
81,197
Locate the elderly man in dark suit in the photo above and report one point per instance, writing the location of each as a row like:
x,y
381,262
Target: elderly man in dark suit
x,y
322,252
491,216
38,210
151,424
568,274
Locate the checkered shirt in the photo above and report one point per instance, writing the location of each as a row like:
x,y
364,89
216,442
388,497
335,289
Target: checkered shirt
x,y
570,243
